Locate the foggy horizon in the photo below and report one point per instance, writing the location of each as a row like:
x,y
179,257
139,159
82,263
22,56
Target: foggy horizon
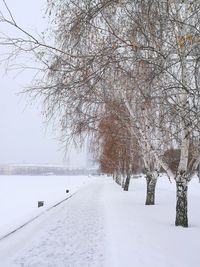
x,y
24,137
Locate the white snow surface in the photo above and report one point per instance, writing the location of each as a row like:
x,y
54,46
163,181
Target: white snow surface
x,y
103,226
19,196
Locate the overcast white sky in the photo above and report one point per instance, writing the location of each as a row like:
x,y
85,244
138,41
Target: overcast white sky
x,y
23,135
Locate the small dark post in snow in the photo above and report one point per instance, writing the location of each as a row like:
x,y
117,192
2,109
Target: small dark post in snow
x,y
40,203
67,191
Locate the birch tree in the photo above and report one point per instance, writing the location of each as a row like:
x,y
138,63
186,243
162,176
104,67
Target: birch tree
x,y
142,54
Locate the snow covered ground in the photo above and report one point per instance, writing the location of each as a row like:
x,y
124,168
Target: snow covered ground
x,y
19,196
102,226
141,236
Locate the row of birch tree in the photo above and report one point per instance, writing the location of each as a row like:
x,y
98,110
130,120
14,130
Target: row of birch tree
x,y
127,74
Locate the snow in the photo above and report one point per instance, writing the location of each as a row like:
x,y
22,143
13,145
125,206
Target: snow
x,y
140,235
103,226
19,196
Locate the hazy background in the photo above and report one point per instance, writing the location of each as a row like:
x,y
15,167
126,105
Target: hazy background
x,y
23,135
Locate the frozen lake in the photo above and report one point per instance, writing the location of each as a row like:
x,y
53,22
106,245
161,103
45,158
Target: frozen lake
x,y
19,196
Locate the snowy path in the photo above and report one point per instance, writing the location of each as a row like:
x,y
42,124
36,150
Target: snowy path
x,y
72,237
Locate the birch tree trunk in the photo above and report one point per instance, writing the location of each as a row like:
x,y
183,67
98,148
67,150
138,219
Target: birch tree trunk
x,y
118,179
123,181
181,204
151,185
127,182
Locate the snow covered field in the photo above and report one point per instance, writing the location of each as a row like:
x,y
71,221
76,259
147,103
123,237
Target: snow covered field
x,y
141,236
19,196
102,226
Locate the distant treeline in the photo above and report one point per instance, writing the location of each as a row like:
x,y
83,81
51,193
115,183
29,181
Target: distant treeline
x,y
43,170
